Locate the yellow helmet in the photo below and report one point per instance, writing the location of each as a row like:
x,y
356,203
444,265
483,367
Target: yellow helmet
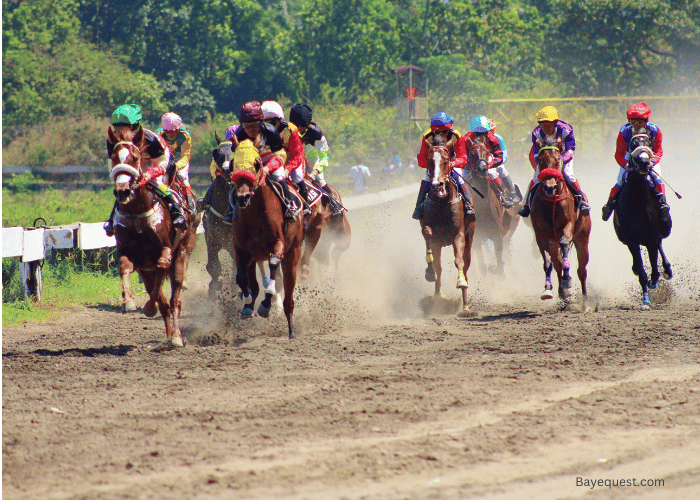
x,y
547,114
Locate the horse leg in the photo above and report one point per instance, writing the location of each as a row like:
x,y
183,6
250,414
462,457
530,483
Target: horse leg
x,y
668,273
213,266
270,287
547,292
458,246
498,249
581,244
177,278
341,242
126,267
430,270
653,251
638,269
243,261
289,277
311,237
564,273
436,252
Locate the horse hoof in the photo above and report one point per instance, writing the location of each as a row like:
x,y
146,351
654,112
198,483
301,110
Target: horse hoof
x,y
645,306
652,285
184,285
565,293
466,313
150,309
430,277
177,342
129,306
546,294
462,283
263,312
247,312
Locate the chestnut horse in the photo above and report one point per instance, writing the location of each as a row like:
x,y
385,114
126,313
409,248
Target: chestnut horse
x,y
495,222
558,225
443,224
217,233
331,231
260,232
637,222
146,240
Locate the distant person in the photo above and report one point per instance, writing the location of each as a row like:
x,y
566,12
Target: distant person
x,y
638,123
395,160
549,130
359,173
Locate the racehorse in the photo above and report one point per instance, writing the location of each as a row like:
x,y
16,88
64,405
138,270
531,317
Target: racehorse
x,y
217,234
443,224
260,232
495,222
335,230
558,225
637,220
146,240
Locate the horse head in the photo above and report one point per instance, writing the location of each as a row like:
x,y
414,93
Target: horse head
x,y
551,182
549,156
640,153
439,169
479,156
126,160
223,154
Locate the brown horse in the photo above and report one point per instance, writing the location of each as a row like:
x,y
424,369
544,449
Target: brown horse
x,y
331,231
146,240
443,224
495,222
217,233
558,226
260,232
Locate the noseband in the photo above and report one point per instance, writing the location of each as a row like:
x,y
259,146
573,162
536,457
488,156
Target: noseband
x,y
122,168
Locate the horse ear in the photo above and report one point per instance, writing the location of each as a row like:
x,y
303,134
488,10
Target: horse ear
x,y
111,136
138,138
218,139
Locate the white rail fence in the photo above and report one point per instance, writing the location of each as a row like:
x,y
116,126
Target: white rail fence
x,y
33,244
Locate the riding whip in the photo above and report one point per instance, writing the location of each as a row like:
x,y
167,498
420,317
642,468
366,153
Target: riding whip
x,y
665,182
470,185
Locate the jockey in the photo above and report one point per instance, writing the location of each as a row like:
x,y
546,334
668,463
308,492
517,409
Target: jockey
x,y
155,154
441,132
480,128
215,172
315,149
293,146
501,140
550,130
638,123
179,141
261,135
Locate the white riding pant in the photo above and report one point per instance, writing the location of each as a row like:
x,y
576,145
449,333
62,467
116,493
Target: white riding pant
x,y
184,175
297,175
567,172
279,175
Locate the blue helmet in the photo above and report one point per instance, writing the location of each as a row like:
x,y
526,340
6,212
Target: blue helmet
x,y
480,124
441,121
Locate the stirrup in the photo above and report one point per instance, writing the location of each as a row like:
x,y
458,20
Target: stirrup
x,y
469,213
584,208
109,228
418,212
525,211
607,211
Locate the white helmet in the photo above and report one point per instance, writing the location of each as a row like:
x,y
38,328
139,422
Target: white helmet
x,y
171,122
272,109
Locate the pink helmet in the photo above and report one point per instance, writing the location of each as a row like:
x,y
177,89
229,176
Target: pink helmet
x,y
171,122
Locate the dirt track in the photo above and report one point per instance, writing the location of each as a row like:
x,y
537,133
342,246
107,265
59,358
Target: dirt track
x,y
372,400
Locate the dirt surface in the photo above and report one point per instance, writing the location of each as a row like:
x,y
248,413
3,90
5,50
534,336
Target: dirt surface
x,y
374,399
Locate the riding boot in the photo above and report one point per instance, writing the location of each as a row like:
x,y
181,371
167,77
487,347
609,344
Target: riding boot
x,y
525,211
611,204
504,196
176,213
468,204
289,212
508,183
422,193
109,225
664,209
580,198
304,192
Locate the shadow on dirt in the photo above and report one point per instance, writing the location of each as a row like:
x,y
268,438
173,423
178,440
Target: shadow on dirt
x,y
120,350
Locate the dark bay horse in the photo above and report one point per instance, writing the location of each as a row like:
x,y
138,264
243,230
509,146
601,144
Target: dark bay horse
x,y
217,233
494,221
637,222
443,224
558,225
324,232
261,233
146,240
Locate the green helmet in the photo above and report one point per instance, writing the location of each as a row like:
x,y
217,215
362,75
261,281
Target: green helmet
x,y
127,113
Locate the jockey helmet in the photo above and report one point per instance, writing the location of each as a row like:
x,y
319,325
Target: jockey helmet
x,y
492,125
272,109
128,114
231,131
480,124
441,121
639,111
301,115
251,112
171,122
547,114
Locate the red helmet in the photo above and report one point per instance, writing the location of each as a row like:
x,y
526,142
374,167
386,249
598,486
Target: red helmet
x,y
639,111
251,112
